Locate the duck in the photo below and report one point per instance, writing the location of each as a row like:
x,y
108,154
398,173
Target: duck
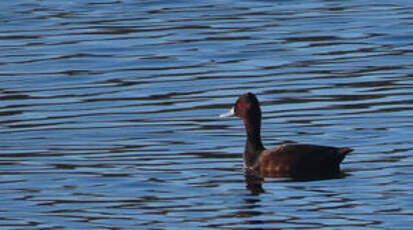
x,y
287,160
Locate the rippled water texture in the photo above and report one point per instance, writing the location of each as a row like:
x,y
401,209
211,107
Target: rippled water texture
x,y
108,112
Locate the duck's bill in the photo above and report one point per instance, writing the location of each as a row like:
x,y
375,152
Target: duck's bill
x,y
230,113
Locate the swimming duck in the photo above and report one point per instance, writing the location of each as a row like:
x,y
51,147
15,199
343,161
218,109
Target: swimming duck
x,y
292,160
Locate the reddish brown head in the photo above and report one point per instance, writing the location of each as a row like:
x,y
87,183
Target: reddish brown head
x,y
247,107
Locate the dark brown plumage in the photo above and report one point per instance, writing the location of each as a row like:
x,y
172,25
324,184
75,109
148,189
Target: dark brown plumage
x,y
297,160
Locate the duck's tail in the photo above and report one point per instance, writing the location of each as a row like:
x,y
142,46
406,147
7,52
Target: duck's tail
x,y
342,152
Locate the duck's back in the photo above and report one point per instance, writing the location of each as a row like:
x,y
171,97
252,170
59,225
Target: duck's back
x,y
301,160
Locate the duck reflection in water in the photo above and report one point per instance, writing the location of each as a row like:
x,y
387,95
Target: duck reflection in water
x,y
298,161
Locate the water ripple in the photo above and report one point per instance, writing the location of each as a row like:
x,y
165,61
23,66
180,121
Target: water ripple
x,y
108,113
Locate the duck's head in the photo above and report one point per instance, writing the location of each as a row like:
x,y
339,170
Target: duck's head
x,y
246,107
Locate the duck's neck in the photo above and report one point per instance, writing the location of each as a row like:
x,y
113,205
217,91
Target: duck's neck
x,y
254,145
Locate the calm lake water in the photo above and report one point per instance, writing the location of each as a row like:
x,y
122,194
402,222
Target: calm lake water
x,y
108,112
